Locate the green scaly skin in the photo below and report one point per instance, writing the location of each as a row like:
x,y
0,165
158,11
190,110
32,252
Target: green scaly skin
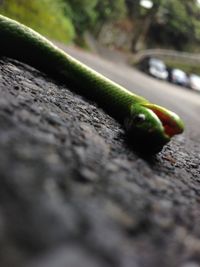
x,y
148,125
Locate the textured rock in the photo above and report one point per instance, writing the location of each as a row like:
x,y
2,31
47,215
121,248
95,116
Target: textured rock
x,y
72,193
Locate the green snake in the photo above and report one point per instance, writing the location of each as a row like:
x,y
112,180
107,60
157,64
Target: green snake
x,y
148,126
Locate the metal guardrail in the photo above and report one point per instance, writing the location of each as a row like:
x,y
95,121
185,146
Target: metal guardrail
x,y
169,54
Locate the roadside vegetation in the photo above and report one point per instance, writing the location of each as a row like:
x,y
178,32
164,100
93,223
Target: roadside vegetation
x,y
170,24
45,16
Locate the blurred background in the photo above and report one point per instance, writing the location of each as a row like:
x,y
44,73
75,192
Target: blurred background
x,y
160,37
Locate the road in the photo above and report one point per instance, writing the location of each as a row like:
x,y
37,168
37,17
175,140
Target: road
x,y
181,100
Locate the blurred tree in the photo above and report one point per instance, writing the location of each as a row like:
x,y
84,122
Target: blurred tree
x,y
179,26
143,19
170,21
108,10
82,13
92,14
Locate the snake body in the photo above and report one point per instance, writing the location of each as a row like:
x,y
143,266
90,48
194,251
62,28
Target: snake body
x,y
149,125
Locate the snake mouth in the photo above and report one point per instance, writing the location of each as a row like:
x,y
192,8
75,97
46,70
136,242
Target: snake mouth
x,y
170,121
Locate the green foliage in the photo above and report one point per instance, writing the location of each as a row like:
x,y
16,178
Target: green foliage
x,y
110,10
63,20
196,24
177,16
45,16
181,23
82,13
170,23
87,14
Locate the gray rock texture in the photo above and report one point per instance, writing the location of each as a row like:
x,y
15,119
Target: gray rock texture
x,y
72,192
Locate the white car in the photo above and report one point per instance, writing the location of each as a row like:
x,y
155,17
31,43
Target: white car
x,y
158,69
194,82
179,77
154,67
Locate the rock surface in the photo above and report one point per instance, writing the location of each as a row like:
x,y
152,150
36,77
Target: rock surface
x,y
72,193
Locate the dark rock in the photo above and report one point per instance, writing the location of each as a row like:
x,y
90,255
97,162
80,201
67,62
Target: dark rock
x,y
72,193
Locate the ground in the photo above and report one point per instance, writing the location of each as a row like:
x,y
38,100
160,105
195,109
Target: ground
x,y
73,193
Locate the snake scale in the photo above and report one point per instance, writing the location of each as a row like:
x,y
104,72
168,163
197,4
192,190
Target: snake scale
x,y
148,125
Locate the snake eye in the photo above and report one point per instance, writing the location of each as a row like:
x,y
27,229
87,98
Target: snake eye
x,y
133,121
139,118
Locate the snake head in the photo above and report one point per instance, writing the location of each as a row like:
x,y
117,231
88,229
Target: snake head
x,y
150,127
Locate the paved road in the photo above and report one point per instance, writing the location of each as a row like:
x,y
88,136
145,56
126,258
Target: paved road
x,y
181,100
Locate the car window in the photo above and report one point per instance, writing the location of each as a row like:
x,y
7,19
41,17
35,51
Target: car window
x,y
157,63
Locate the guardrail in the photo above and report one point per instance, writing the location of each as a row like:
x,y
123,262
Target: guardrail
x,y
169,54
